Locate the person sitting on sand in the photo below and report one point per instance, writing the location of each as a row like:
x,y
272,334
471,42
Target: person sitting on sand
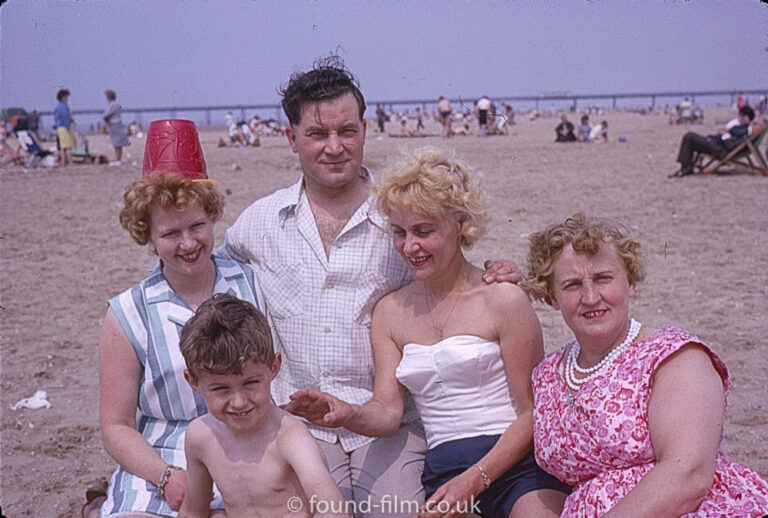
x,y
145,404
463,130
632,417
256,124
462,348
263,460
134,130
509,114
240,132
599,133
564,130
684,111
404,131
234,130
585,128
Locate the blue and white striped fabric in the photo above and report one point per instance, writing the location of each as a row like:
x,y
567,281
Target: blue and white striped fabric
x,y
152,316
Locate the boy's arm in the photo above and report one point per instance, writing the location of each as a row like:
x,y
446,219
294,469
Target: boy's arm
x,y
197,499
302,453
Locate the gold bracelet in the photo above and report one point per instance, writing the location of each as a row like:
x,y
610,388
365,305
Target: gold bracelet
x,y
164,478
486,478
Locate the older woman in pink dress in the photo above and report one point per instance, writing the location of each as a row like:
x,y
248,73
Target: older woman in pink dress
x,y
630,416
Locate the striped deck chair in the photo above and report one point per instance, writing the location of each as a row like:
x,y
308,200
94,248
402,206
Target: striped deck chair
x,y
741,156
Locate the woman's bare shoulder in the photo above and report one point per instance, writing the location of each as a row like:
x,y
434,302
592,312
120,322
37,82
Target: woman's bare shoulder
x,y
502,295
395,301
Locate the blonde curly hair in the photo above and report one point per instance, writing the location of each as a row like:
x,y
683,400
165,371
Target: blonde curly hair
x,y
433,184
585,235
165,191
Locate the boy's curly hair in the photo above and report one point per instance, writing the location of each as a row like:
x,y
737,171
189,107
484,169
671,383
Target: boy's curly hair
x,y
223,335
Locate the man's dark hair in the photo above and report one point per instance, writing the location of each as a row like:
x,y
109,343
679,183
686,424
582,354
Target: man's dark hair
x,y
62,94
328,79
748,111
223,335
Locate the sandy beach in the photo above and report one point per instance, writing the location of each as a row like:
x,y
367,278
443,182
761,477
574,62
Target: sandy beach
x,y
63,254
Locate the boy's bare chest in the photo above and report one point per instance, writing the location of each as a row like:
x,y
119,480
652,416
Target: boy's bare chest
x,y
254,483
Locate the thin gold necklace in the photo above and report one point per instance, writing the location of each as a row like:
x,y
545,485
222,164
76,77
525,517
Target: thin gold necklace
x,y
448,318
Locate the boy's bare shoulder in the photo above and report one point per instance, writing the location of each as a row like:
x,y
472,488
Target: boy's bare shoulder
x,y
292,432
290,424
200,428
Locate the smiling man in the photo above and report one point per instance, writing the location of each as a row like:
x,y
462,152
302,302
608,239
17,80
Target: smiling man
x,y
323,258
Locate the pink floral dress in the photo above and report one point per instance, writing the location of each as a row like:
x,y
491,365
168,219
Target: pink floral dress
x,y
600,442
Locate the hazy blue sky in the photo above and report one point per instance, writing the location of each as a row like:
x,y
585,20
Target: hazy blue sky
x,y
228,52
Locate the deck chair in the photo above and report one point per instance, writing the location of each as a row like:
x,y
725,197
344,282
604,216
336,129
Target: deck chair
x,y
741,156
35,153
80,150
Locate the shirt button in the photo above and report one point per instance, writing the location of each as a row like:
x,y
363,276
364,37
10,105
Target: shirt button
x,y
329,286
327,330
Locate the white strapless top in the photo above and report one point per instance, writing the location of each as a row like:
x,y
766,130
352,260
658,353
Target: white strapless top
x,y
459,386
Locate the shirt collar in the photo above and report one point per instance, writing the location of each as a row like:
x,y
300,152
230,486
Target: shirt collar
x,y
159,290
292,195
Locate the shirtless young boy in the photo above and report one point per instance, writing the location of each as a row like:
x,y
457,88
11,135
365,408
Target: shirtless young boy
x,y
262,459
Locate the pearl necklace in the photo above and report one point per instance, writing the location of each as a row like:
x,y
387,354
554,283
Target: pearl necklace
x,y
572,366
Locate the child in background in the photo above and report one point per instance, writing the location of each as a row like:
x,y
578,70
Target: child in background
x,y
263,460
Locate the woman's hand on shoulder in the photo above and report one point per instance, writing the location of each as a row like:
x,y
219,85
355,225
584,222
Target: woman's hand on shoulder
x,y
319,408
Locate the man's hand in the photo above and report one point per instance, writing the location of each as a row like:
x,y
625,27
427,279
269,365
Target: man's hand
x,y
503,270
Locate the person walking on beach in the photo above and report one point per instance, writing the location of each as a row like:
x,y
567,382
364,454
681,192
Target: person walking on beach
x,y
381,118
114,123
482,107
62,122
323,258
419,121
444,110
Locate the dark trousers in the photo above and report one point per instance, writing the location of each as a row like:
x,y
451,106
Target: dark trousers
x,y
693,143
